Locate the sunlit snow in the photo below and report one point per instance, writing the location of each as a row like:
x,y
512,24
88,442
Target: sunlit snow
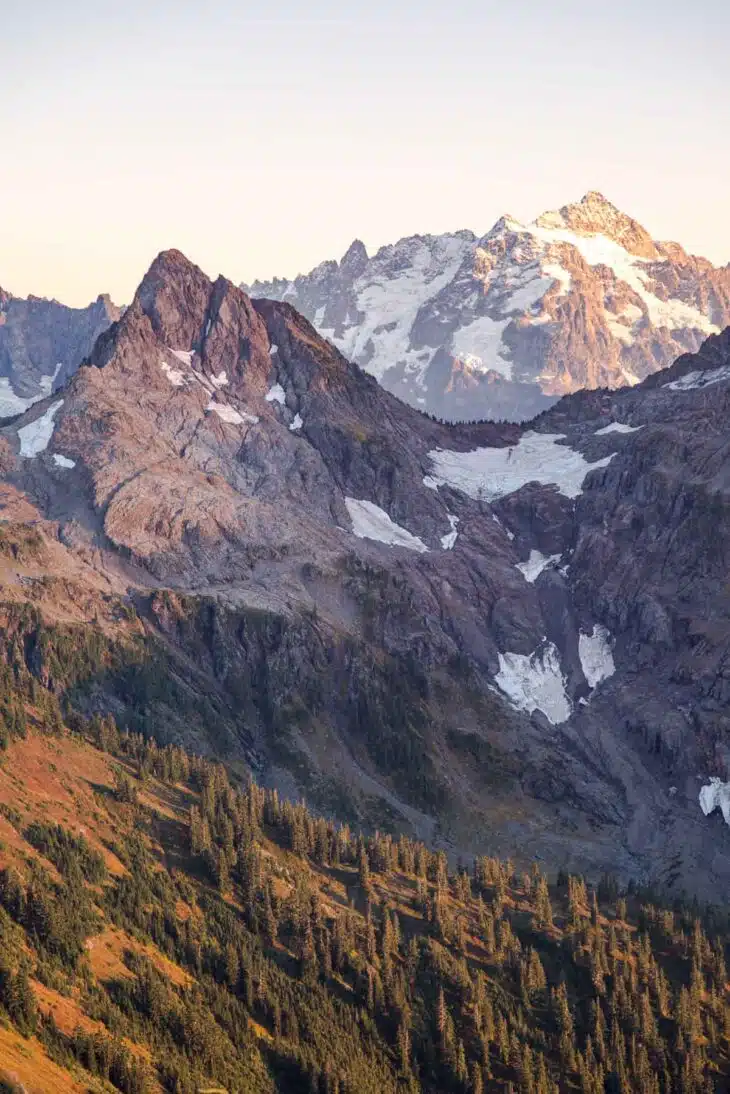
x,y
297,423
369,521
693,381
273,348
63,461
489,473
599,250
220,380
176,378
596,656
184,355
448,541
230,415
276,394
716,795
535,682
535,564
34,437
617,427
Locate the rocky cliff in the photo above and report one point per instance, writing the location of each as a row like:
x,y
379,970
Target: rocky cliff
x,y
42,343
498,326
495,636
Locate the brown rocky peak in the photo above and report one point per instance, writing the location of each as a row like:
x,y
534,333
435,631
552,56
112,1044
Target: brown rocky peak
x,y
594,213
174,295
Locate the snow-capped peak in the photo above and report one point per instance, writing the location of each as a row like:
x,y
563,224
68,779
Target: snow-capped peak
x,y
501,325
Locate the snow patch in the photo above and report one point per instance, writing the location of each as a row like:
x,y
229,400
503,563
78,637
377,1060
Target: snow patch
x,y
617,427
480,343
63,461
562,276
369,521
176,378
430,483
35,437
228,414
448,541
12,404
596,655
535,682
693,381
276,394
716,795
273,348
184,355
489,473
297,423
221,380
535,564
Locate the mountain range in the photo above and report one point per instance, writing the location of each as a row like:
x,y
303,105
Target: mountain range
x,y
467,327
490,636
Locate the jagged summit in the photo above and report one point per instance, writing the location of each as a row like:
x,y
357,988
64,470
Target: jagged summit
x,y
503,324
355,258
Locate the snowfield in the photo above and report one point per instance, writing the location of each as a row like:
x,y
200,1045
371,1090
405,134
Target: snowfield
x,y
448,541
276,394
35,437
229,414
174,375
596,655
693,381
63,461
369,521
490,473
535,564
617,427
716,795
535,682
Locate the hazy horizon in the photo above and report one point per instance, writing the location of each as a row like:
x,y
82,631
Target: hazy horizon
x,y
260,147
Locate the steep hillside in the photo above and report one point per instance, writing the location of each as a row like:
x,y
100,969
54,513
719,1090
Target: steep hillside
x,y
498,326
165,931
488,637
42,343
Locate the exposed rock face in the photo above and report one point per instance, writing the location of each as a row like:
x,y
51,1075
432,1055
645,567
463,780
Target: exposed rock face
x,y
42,343
534,681
467,328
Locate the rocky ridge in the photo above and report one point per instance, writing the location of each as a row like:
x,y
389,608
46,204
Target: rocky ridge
x,y
467,327
500,637
42,343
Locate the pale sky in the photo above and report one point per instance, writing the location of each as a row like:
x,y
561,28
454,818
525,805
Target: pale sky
x,y
261,139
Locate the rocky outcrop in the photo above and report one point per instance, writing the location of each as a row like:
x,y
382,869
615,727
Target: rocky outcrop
x,y
499,637
499,326
42,343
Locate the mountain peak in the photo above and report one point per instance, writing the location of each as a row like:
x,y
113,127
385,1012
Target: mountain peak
x,y
595,214
173,295
355,258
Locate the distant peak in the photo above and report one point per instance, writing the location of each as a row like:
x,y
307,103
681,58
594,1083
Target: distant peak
x,y
355,258
595,197
595,214
505,223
